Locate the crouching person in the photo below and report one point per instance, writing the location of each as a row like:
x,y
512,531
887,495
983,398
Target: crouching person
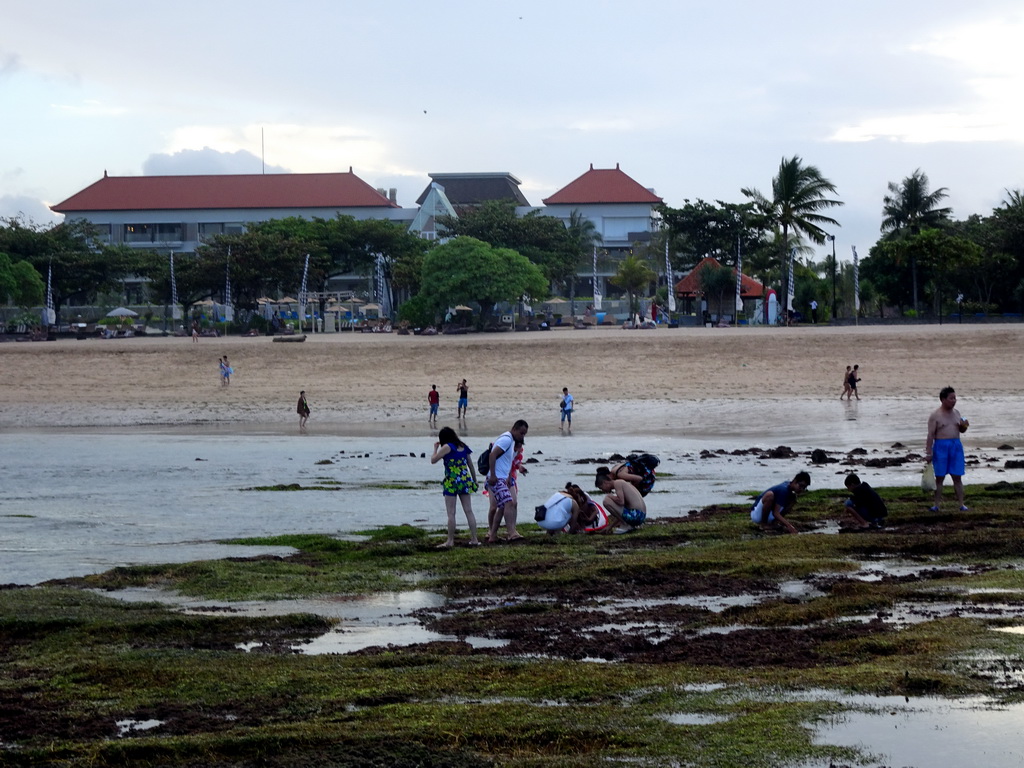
x,y
865,505
625,506
772,506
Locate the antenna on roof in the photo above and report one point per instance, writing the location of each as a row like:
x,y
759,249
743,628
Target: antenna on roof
x,y
263,152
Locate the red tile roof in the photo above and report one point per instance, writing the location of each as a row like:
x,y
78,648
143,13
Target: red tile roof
x,y
277,190
690,285
602,185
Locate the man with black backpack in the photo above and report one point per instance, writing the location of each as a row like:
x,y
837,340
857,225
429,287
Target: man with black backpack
x,y
499,470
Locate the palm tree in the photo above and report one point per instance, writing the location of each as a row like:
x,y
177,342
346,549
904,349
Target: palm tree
x,y
799,194
910,207
584,237
633,277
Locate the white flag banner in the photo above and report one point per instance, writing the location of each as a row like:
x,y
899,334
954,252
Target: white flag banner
x,y
49,314
739,276
669,281
856,279
175,307
229,309
597,286
791,288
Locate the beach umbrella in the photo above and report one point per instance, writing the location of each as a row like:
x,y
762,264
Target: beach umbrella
x,y
463,308
122,312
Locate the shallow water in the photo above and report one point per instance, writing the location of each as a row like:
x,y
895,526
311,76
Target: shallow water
x,y
75,502
927,732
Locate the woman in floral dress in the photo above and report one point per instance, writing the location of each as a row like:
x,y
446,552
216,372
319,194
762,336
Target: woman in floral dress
x,y
459,481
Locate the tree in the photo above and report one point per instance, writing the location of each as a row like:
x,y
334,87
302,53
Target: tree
x,y
542,239
910,207
81,266
583,238
20,283
466,270
717,282
702,229
634,277
799,194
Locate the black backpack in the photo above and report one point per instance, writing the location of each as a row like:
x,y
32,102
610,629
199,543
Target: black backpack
x,y
483,461
643,464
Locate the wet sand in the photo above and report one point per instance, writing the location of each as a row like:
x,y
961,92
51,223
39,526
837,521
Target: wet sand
x,y
760,385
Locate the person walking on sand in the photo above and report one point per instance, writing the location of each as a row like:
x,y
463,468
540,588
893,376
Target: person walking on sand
x,y
463,389
303,410
434,401
846,383
226,371
773,505
626,508
943,447
195,332
459,481
499,482
568,401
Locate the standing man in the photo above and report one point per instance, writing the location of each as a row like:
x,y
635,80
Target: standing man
x,y
434,399
567,403
502,453
814,311
773,505
463,400
303,410
943,447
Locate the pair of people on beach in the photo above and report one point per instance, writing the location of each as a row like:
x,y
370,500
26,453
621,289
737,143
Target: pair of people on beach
x,y
225,371
771,509
504,460
850,379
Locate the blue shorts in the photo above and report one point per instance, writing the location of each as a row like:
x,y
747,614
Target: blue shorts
x,y
948,457
433,409
567,414
634,517
463,402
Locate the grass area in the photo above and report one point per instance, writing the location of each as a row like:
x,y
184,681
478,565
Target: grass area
x,y
813,612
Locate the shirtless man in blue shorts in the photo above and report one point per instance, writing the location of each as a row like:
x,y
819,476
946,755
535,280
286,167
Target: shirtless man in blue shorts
x,y
943,447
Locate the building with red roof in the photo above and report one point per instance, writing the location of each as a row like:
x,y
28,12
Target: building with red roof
x,y
175,213
688,289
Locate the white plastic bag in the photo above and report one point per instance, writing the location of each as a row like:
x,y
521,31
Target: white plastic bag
x,y
928,478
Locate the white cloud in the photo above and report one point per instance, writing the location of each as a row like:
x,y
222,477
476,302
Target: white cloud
x,y
28,208
205,161
90,108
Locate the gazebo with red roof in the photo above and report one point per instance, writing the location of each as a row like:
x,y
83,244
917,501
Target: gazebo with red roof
x,y
688,288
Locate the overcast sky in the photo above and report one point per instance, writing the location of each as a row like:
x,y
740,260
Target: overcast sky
x,y
693,99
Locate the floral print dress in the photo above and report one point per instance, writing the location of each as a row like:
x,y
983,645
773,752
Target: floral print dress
x,y
458,478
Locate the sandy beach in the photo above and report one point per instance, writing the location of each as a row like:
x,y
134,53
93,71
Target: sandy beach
x,y
758,381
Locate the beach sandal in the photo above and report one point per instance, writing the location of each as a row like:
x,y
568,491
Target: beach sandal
x,y
964,508
514,539
444,545
472,543
933,509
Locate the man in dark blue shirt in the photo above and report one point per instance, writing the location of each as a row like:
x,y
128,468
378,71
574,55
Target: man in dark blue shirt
x,y
773,505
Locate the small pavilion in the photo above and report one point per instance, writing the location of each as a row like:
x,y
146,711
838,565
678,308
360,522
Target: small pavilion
x,y
688,290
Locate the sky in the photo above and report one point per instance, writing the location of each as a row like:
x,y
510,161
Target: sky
x,y
692,99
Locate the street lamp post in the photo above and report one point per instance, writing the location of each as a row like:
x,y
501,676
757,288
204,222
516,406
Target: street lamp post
x,y
833,239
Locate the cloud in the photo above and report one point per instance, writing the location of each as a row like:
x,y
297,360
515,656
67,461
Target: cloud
x,y
205,161
27,208
9,64
90,108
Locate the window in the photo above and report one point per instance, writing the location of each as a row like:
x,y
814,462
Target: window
x,y
152,233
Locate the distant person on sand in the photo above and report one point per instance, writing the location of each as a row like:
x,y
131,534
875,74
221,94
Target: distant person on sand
x,y
943,447
773,505
195,332
226,371
459,481
865,505
498,481
568,401
846,383
626,508
463,389
434,401
302,409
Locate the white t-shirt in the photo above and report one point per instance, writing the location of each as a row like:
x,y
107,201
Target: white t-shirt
x,y
567,401
503,464
559,513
